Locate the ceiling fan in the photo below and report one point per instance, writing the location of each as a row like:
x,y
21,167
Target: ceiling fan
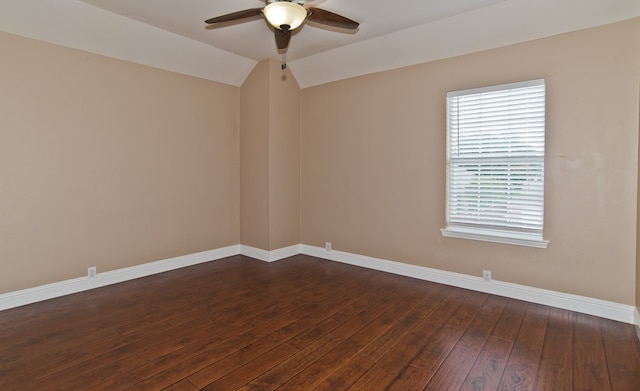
x,y
287,15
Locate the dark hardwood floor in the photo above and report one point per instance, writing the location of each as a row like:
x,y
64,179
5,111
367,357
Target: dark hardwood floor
x,y
307,324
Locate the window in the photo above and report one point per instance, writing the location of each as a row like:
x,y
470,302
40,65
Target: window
x,y
495,163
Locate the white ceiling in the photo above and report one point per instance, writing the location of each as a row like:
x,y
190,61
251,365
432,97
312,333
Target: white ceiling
x,y
253,38
171,34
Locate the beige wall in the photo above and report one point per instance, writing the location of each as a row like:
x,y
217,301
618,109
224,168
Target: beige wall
x,y
109,164
254,158
284,158
373,163
270,158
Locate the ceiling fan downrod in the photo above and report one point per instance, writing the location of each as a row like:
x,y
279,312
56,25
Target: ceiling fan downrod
x,y
286,30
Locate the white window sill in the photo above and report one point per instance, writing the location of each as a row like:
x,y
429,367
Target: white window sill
x,y
495,236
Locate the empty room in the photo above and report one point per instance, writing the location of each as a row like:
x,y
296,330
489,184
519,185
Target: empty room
x,y
319,195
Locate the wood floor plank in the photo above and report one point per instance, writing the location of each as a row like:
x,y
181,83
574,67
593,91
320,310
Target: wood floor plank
x,y
91,373
305,323
370,336
162,367
192,358
411,378
383,326
620,355
637,341
488,368
182,385
510,320
345,375
356,323
323,306
105,377
483,324
427,362
454,370
371,343
393,363
247,372
589,361
556,363
94,353
392,336
522,367
312,375
71,360
217,369
336,320
284,371
287,334
444,340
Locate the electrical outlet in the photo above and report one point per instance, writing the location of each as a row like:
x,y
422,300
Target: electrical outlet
x,y
91,272
327,246
486,275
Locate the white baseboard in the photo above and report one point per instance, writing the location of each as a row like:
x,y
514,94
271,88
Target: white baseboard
x,y
75,285
587,305
270,256
63,288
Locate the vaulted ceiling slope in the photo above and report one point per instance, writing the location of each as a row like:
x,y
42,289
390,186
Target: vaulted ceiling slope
x,y
172,35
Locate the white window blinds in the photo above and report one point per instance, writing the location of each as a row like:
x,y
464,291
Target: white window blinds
x,y
495,158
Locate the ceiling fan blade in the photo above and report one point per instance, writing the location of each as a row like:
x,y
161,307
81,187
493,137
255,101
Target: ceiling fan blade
x,y
248,13
329,18
282,38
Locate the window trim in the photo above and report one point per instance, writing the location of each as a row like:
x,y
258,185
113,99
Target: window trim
x,y
489,234
495,236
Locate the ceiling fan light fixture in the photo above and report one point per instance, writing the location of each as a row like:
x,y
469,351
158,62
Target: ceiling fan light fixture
x,y
285,13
